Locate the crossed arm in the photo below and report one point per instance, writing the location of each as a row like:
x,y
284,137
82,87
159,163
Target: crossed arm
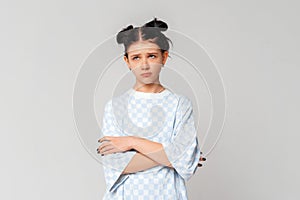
x,y
140,162
149,154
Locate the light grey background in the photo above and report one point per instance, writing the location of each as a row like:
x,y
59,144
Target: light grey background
x,y
253,43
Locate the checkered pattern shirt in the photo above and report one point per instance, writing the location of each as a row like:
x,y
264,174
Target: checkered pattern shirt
x,y
164,117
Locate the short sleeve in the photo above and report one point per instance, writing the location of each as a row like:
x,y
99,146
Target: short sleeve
x,y
113,164
183,150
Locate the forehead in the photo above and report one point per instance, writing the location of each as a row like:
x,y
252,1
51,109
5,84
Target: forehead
x,y
143,47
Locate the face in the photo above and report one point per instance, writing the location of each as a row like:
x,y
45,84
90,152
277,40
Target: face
x,y
145,60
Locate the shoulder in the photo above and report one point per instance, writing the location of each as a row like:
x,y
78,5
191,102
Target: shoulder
x,y
116,101
183,100
183,104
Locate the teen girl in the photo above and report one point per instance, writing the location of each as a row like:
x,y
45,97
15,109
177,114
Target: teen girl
x,y
150,147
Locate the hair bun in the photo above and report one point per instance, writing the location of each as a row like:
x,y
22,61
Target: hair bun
x,y
122,34
157,24
127,28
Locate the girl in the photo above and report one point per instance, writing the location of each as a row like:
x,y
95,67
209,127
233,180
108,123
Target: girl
x,y
150,147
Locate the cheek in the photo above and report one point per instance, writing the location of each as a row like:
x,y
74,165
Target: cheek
x,y
157,67
134,66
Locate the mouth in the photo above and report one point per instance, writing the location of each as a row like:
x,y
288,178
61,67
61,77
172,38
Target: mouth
x,y
146,74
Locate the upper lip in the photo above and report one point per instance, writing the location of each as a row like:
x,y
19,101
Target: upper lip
x,y
146,73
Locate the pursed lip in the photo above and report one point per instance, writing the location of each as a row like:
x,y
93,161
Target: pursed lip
x,y
144,74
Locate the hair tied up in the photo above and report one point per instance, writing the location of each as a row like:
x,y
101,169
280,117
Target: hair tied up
x,y
123,34
127,28
157,24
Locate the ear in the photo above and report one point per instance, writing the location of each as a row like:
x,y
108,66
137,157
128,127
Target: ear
x,y
127,62
165,57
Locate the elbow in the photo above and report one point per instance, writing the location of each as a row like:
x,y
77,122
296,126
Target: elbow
x,y
187,175
187,171
170,165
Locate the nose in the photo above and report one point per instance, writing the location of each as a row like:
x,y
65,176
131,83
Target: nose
x,y
145,64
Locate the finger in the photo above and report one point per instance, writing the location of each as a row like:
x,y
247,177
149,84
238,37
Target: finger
x,y
109,151
100,148
105,138
104,150
103,145
202,159
101,139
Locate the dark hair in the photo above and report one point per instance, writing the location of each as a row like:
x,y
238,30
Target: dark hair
x,y
151,30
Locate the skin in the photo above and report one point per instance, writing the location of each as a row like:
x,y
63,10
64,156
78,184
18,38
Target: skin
x,y
143,57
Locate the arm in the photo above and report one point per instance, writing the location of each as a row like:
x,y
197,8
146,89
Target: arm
x,y
184,151
113,164
152,150
181,154
140,162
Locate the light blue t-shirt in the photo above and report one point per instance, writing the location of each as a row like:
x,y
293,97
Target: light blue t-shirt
x,y
164,117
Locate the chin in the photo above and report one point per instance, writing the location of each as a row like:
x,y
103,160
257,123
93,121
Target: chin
x,y
146,81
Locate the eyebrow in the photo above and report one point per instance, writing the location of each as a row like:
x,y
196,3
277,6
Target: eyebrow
x,y
140,54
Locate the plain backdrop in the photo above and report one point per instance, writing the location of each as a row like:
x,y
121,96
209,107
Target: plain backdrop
x,y
255,45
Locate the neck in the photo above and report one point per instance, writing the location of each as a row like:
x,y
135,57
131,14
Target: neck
x,y
152,87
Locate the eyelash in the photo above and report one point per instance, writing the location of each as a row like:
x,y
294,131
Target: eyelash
x,y
137,57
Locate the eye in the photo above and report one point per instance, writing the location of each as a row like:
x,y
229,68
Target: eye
x,y
135,57
152,56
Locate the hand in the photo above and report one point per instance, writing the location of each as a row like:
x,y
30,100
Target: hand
x,y
114,144
201,159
